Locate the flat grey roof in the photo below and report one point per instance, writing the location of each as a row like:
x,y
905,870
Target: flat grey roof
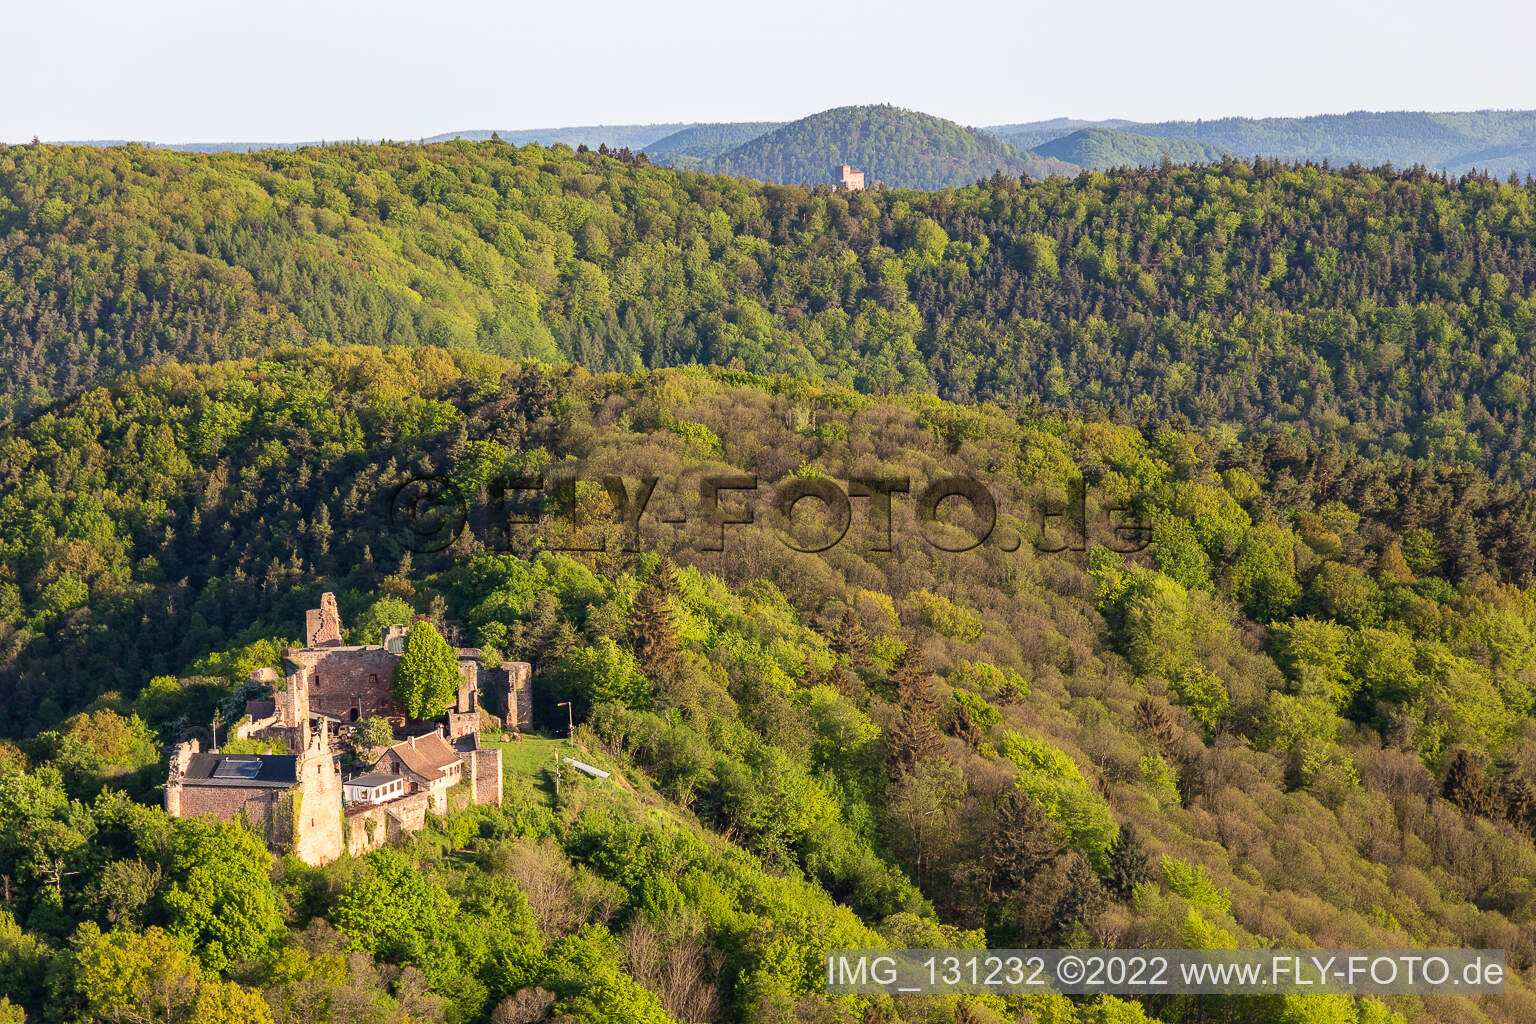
x,y
374,779
243,771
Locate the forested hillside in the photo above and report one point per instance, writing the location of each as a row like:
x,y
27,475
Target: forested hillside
x,y
1386,313
902,148
1299,716
614,136
1104,148
1498,142
1290,720
695,145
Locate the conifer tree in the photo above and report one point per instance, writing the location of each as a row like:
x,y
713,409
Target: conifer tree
x,y
1467,786
653,630
851,641
1082,900
847,684
963,725
664,578
1009,692
1022,841
1517,795
814,676
916,734
1024,871
1129,862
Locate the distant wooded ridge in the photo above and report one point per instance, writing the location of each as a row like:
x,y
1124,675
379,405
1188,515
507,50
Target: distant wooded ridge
x,y
1495,141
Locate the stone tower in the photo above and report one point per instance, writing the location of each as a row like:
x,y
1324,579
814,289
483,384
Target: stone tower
x,y
322,626
317,800
181,760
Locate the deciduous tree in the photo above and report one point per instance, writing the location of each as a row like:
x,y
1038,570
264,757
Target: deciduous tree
x,y
427,678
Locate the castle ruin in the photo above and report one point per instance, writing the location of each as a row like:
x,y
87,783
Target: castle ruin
x,y
299,801
347,683
294,800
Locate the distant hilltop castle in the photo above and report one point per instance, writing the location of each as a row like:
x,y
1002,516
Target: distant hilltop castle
x,y
846,179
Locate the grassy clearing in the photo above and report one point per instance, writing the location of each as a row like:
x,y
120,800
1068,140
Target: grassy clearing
x,y
533,757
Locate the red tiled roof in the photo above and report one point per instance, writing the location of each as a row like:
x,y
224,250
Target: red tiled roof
x,y
428,756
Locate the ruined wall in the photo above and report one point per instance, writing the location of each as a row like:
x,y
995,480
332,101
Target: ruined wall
x,y
365,829
370,826
352,683
437,795
521,674
467,699
293,699
485,769
181,758
511,690
467,724
322,626
348,683
407,814
257,725
226,802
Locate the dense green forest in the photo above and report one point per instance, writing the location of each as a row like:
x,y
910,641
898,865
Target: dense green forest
x,y
1299,716
1290,720
1104,148
1385,313
902,148
1491,141
695,145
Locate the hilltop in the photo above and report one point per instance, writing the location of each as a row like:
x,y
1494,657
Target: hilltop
x,y
1380,310
902,148
1103,148
614,136
695,145
1495,141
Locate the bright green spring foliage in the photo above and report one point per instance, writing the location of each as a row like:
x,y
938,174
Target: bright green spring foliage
x,y
427,678
219,902
1382,310
1313,703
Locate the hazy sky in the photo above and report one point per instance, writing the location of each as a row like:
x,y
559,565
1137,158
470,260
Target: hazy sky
x,y
288,70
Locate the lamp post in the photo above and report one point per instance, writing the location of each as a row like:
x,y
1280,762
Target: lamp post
x,y
570,721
